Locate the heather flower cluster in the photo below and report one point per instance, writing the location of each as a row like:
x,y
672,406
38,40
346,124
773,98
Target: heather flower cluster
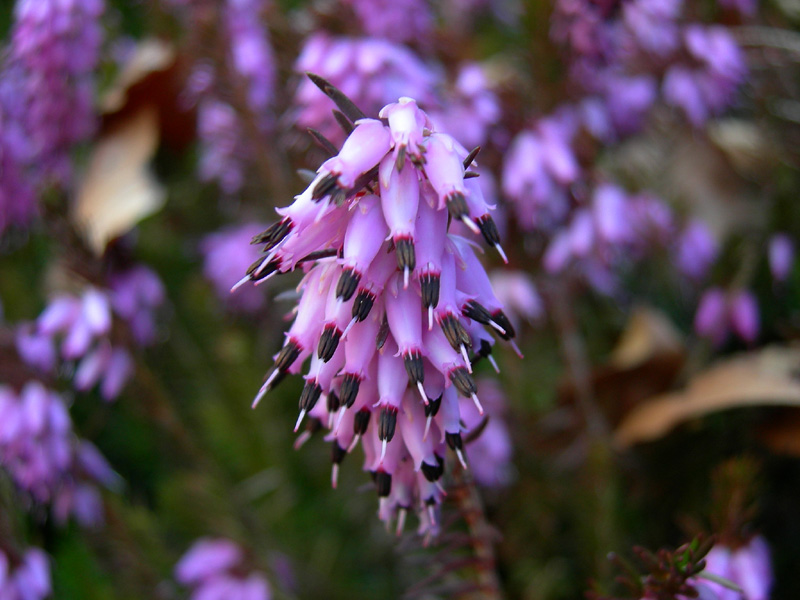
x,y
24,576
234,96
393,311
44,457
749,567
77,330
213,569
46,98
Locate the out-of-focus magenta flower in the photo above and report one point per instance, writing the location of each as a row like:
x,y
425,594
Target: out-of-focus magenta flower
x,y
749,567
517,292
653,24
490,453
54,49
371,72
81,328
470,109
781,256
228,253
17,199
695,250
538,168
394,20
26,577
44,458
213,568
719,312
392,308
223,149
706,88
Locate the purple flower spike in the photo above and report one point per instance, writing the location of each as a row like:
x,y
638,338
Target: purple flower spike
x,y
696,250
28,578
781,256
213,568
378,258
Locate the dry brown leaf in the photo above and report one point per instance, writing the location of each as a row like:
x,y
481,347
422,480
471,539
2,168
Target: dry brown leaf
x,y
764,378
150,56
648,333
118,189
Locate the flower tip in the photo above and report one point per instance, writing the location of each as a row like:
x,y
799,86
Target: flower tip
x,y
494,363
302,439
471,224
401,521
300,419
461,459
502,253
465,356
427,427
384,443
478,404
516,349
240,283
422,392
430,317
334,475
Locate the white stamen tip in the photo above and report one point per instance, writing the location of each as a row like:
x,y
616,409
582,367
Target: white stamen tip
x,y
240,283
406,274
465,356
262,391
339,419
471,224
348,328
432,514
427,427
477,403
401,521
302,439
494,363
438,484
267,278
460,456
497,327
303,414
422,392
517,351
330,420
430,318
354,443
334,475
502,253
383,450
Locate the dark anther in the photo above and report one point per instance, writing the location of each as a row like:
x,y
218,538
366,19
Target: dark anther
x,y
457,205
328,341
454,332
344,103
432,407
363,304
485,349
476,312
287,355
276,379
429,283
432,472
349,389
383,333
337,453
317,254
324,187
413,363
310,394
431,501
471,156
274,233
383,481
463,381
489,230
387,423
406,257
471,174
361,421
333,402
400,161
348,282
339,196
501,319
454,441
476,431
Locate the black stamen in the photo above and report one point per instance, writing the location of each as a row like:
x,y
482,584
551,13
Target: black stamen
x,y
501,319
333,402
383,333
432,407
349,389
406,257
457,205
328,341
454,441
454,332
361,421
463,381
413,363
310,394
383,481
348,283
337,453
477,312
287,355
387,423
429,283
363,304
432,472
489,230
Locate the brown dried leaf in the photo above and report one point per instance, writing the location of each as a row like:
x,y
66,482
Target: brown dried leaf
x,y
150,56
118,189
648,334
764,378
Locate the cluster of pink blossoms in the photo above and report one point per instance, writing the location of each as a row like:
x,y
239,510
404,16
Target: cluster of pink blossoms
x,y
394,310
